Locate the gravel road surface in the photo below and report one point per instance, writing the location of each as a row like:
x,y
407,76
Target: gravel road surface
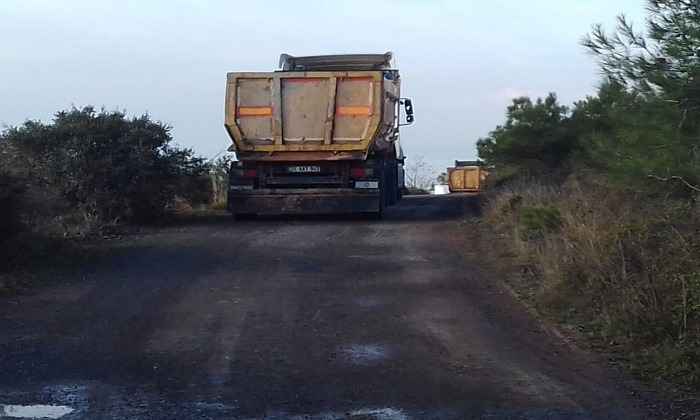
x,y
317,318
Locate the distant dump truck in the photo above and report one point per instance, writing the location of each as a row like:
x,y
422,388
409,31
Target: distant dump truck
x,y
466,176
320,135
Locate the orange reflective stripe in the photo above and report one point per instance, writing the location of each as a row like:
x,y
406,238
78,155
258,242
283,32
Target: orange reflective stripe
x,y
255,111
353,110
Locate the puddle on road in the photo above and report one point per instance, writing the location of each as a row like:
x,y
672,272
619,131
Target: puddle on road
x,y
368,302
398,258
380,414
34,411
359,414
364,354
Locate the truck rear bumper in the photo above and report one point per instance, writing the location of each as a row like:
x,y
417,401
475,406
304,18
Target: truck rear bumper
x,y
304,201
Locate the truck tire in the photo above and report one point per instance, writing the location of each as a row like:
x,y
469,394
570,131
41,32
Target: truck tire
x,y
379,215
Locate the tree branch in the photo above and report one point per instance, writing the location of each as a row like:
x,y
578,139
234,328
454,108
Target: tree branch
x,y
675,178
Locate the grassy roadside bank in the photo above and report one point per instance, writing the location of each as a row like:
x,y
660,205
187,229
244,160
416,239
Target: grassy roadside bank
x,y
619,274
599,202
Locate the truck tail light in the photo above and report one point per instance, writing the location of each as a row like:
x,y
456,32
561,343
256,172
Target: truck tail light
x,y
357,172
250,173
361,172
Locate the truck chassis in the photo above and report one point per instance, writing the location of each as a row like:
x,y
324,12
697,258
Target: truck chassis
x,y
324,188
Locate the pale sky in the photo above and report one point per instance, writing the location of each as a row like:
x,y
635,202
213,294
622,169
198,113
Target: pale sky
x,y
460,61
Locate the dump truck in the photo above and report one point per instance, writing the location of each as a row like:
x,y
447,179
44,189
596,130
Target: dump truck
x,y
319,135
466,176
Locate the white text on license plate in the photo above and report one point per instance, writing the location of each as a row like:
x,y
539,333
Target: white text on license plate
x,y
367,184
304,169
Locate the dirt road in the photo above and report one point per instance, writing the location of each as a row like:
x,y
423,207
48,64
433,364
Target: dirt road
x,y
314,318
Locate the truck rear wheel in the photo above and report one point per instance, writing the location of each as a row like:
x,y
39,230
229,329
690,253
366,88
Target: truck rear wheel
x,y
379,214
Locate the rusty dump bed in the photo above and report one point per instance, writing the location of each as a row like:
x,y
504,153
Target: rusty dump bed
x,y
466,178
312,115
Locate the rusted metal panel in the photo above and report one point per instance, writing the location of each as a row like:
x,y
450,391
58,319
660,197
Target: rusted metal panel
x,y
337,62
304,109
337,114
276,111
330,110
466,178
253,110
301,156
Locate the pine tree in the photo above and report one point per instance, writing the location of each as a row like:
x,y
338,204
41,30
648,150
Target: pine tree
x,y
661,69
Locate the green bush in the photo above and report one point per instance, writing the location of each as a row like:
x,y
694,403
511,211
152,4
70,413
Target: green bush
x,y
106,165
535,222
10,192
536,138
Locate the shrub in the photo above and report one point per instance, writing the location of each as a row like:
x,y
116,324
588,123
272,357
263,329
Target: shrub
x,y
10,191
537,221
219,176
623,265
107,165
537,137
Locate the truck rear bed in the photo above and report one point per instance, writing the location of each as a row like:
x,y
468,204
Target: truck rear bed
x,y
320,115
319,136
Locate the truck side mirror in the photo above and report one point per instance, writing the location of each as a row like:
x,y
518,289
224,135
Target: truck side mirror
x,y
409,110
408,106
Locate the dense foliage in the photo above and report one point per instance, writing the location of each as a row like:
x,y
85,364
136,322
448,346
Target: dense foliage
x,y
535,137
219,174
659,76
103,164
614,241
10,193
643,126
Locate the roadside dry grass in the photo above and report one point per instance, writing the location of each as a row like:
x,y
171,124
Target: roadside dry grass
x,y
43,234
620,269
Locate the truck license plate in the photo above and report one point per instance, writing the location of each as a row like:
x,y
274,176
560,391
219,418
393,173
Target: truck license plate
x,y
367,184
304,169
